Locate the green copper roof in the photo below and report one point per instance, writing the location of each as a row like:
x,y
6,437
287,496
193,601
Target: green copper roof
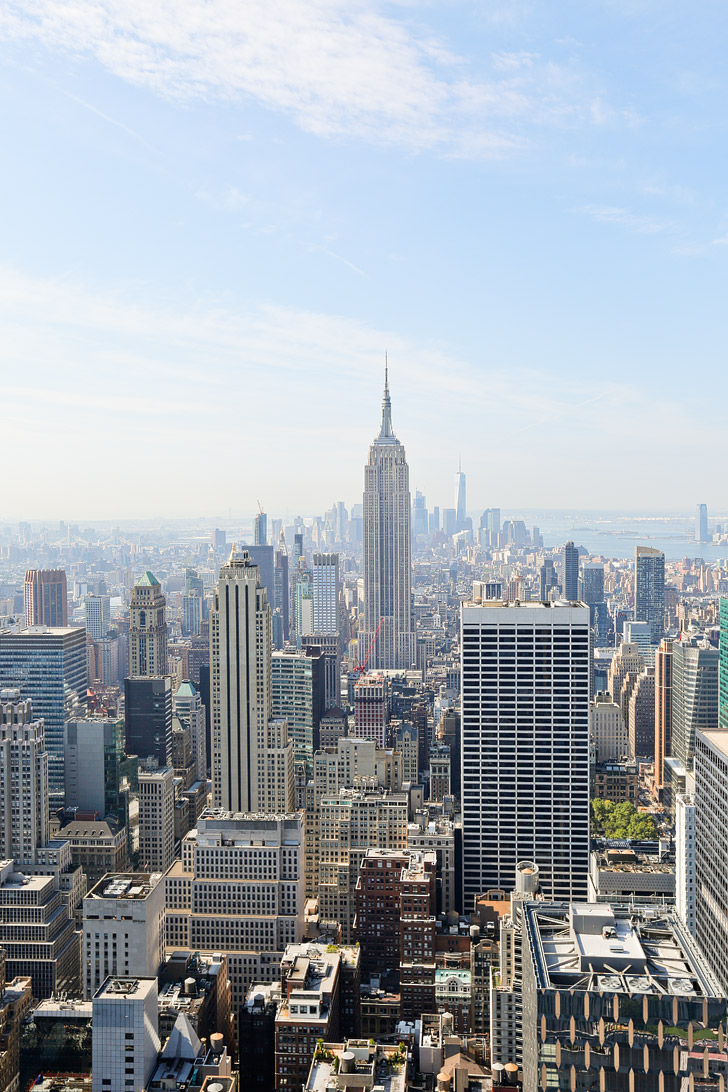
x,y
186,690
149,580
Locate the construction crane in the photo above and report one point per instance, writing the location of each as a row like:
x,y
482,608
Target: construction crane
x,y
362,668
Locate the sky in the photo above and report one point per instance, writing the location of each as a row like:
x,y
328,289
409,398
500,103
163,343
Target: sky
x,y
218,216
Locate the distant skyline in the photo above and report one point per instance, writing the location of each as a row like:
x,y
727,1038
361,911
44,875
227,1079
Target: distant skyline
x,y
219,217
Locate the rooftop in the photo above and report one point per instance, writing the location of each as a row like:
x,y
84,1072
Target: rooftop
x,y
62,1082
361,1066
717,740
125,885
633,860
119,988
611,948
148,580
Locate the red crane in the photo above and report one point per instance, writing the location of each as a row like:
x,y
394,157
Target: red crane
x,y
362,668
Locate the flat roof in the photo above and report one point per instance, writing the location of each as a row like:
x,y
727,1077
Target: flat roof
x,y
120,988
125,885
718,740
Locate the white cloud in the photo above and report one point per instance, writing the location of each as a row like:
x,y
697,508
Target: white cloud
x,y
217,400
337,67
632,221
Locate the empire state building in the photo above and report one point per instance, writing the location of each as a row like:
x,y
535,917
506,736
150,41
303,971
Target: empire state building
x,y
387,552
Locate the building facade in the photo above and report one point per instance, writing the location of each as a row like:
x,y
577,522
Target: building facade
x,y
23,780
148,628
46,598
649,589
387,636
525,745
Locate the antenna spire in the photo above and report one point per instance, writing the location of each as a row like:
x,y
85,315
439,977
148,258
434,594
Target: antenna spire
x,y
386,432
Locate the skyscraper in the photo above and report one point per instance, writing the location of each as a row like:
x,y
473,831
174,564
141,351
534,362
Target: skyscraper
x,y
701,523
325,593
460,498
148,717
148,628
723,666
570,572
48,665
694,695
46,597
663,708
98,615
252,768
23,780
282,592
649,589
387,551
525,746
260,531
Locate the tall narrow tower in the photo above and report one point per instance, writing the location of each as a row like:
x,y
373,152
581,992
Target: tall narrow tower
x,y
460,497
252,767
387,551
148,628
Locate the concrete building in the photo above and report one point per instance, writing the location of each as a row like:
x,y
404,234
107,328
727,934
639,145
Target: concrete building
x,y
298,696
37,932
626,873
352,822
570,572
437,836
387,636
616,781
148,717
148,628
406,742
98,846
125,1042
326,591
23,780
48,666
694,695
252,769
196,985
309,1011
188,708
640,634
525,760
640,973
238,889
16,999
123,928
94,753
371,711
663,708
641,719
156,819
626,661
711,849
649,589
360,1064
440,772
46,598
607,730
328,644
97,610
349,763
685,859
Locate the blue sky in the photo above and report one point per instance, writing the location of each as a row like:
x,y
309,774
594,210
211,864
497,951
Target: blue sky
x,y
217,217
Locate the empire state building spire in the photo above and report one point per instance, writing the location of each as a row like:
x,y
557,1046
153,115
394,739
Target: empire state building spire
x,y
386,433
387,635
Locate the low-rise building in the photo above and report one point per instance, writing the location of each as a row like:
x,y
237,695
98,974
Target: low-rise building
x,y
196,985
632,870
616,781
98,846
125,1040
635,991
357,1065
37,933
309,1011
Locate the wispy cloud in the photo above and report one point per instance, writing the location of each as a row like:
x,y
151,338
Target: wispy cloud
x,y
112,121
337,67
635,222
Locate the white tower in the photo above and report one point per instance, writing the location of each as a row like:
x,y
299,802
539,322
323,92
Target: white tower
x,y
252,757
23,780
387,551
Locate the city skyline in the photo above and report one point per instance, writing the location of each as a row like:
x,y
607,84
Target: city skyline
x,y
522,205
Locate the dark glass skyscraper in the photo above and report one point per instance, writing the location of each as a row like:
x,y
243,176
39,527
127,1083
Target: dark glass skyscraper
x,y
570,572
649,589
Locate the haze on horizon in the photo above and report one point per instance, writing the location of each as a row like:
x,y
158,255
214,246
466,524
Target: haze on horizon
x,y
216,226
